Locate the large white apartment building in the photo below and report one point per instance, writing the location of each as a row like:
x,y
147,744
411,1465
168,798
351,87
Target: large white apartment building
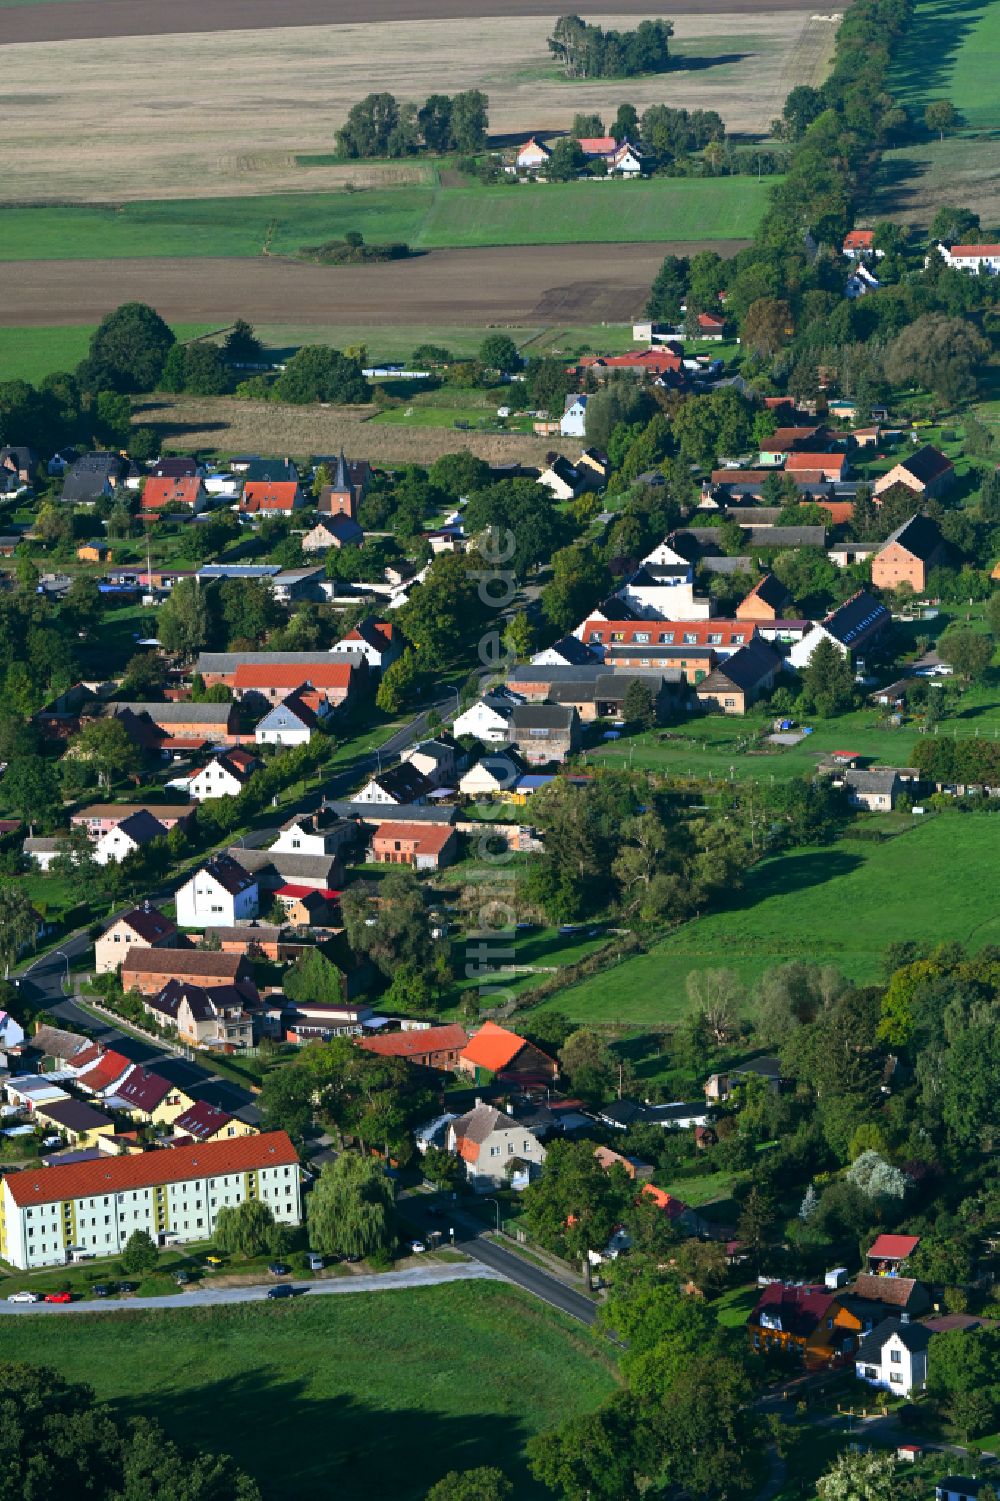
x,y
174,1193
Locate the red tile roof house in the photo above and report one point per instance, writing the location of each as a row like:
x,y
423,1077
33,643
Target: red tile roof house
x,y
430,1047
424,846
379,641
859,243
159,494
270,496
888,1252
205,1122
148,970
512,1059
106,1075
816,468
711,326
270,683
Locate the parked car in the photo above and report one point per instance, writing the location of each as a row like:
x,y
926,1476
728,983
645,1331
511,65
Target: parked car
x,y
316,1262
128,1287
417,1246
214,1260
24,1297
58,1297
182,1278
279,1269
286,1290
101,1290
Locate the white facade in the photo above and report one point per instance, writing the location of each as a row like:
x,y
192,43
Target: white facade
x,y
979,260
485,722
801,653
204,902
214,780
664,600
113,847
899,1369
573,423
41,1234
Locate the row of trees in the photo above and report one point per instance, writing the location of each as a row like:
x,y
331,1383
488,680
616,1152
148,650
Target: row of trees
x,y
380,126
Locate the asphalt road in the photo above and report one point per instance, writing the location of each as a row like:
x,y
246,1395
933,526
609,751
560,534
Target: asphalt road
x,y
431,1274
433,1212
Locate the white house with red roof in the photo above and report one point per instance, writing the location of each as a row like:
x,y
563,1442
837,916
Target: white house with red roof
x,y
93,1207
978,260
859,244
378,641
225,775
532,156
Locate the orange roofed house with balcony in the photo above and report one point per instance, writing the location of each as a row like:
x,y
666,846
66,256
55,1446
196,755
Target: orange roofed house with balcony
x,y
512,1059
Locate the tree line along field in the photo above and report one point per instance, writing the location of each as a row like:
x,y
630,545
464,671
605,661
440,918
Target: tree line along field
x,y
659,209
367,1395
952,51
839,904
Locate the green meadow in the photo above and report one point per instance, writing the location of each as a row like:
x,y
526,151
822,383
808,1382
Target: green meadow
x,y
362,1396
32,353
840,904
425,217
952,51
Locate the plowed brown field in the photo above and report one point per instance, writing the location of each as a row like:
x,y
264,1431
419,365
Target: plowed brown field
x,y
527,285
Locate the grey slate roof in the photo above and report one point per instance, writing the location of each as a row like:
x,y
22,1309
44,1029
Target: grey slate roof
x,y
744,669
920,536
878,779
914,1336
179,713
396,812
290,867
480,1123
229,661
542,717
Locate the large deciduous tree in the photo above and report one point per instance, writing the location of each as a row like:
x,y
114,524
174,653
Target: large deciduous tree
x,y
127,350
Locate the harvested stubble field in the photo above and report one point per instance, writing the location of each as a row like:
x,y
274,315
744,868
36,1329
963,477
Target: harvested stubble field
x,y
199,114
542,284
56,20
224,424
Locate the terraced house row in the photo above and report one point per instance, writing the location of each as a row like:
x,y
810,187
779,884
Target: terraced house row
x,y
49,1215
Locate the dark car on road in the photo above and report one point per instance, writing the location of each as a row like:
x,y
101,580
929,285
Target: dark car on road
x,y
286,1290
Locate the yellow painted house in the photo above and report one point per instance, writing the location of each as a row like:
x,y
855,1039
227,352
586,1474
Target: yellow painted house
x,y
81,1124
151,1098
205,1122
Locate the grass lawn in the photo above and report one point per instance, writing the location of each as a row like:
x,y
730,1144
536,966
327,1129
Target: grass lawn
x,y
723,749
372,1395
425,217
840,904
735,1305
950,51
32,353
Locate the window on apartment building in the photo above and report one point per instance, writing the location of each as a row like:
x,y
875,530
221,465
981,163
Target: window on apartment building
x,y
494,1151
690,638
715,639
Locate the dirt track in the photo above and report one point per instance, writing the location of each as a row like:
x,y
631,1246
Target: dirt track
x,y
105,18
529,285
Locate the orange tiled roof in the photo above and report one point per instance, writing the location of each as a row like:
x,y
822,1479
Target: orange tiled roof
x,y
270,495
408,1044
319,674
493,1047
168,491
426,839
74,1180
859,239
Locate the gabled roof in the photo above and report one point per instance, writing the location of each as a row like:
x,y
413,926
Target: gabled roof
x,y
744,669
326,672
109,1067
919,536
228,873
146,922
895,1292
403,783
141,827
447,1038
800,1307
893,1247
927,464
493,1047
265,495
180,712
542,717
108,1175
914,1336
144,1090
54,1042
293,710
426,838
168,490
770,591
201,962
480,1122
859,239
202,1120
856,618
